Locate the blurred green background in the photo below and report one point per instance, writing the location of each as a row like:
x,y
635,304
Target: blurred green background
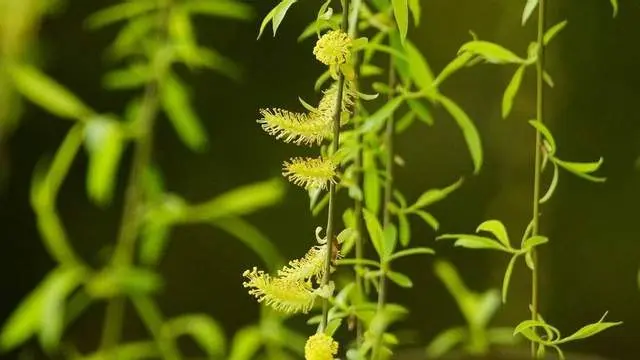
x,y
590,266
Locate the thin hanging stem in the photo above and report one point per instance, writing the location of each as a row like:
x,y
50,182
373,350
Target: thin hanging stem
x,y
537,162
357,207
337,113
388,195
134,197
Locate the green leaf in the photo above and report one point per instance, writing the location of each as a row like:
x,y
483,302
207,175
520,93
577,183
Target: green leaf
x,y
507,278
400,279
417,67
390,240
120,12
237,202
498,230
446,341
469,131
590,330
177,106
434,195
63,282
278,14
528,10
404,229
253,238
416,11
376,233
136,75
401,13
111,282
202,328
526,328
581,169
419,109
485,308
511,91
376,120
456,64
534,241
545,133
246,343
47,93
614,5
473,241
552,186
428,218
491,52
413,251
371,182
553,31
219,8
104,140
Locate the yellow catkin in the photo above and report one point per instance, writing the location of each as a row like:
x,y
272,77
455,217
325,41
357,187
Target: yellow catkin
x,y
309,266
320,347
310,173
281,294
297,128
327,104
333,48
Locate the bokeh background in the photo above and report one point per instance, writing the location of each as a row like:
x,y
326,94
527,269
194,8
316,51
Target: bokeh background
x,y
590,266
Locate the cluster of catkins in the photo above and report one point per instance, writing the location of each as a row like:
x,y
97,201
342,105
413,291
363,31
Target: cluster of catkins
x,y
296,286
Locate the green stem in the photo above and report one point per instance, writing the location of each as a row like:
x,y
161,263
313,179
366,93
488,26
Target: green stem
x,y
153,320
357,208
337,112
537,162
386,210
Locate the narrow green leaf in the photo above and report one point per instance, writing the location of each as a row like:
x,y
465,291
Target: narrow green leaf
x,y
104,140
237,202
120,12
371,182
507,278
402,124
376,233
491,52
528,10
473,241
589,330
434,195
511,91
486,306
545,133
614,5
267,19
419,68
47,93
498,230
390,240
404,229
553,31
401,13
112,282
552,186
219,8
526,329
416,11
400,279
428,218
581,169
419,109
469,131
456,64
358,262
202,328
280,12
177,105
535,241
412,251
548,79
246,343
375,121
445,341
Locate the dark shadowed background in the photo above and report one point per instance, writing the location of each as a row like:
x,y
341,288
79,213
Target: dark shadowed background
x,y
590,265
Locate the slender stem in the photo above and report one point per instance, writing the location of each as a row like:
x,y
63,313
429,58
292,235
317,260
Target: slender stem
x,y
152,318
537,162
388,195
357,207
134,197
337,112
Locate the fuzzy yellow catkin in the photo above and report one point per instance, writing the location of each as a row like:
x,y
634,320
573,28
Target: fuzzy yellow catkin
x,y
310,173
308,267
289,296
327,104
297,128
320,347
333,48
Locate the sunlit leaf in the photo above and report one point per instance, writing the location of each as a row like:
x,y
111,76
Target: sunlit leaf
x,y
47,93
245,343
590,330
545,133
122,11
445,341
507,278
104,140
498,230
552,186
456,64
614,5
428,218
553,31
376,120
219,8
112,282
177,105
528,10
535,241
401,13
400,279
582,169
491,52
420,110
202,328
375,231
412,251
404,229
511,91
473,241
469,131
416,11
390,240
279,14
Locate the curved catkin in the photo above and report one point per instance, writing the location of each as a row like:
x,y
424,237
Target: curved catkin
x,y
310,173
281,294
333,48
327,104
297,128
310,266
